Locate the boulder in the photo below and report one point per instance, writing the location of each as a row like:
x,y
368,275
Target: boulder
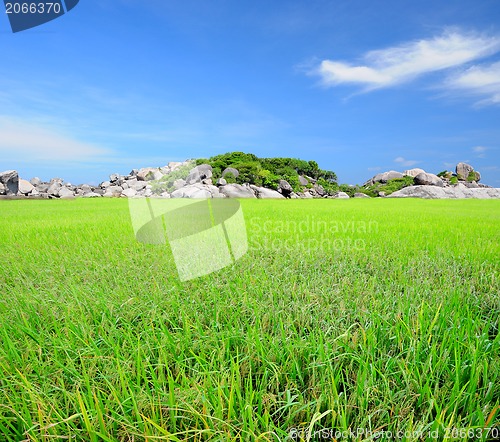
x,y
25,187
179,184
434,192
303,181
221,182
428,179
237,191
285,188
113,191
2,189
307,195
384,177
319,190
232,171
65,193
91,195
149,174
342,195
192,191
413,172
35,181
54,188
462,170
114,177
10,181
137,185
174,165
129,193
199,174
361,195
264,193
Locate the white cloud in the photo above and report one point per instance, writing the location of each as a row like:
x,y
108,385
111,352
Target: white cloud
x,y
480,81
480,151
374,169
31,142
404,162
399,64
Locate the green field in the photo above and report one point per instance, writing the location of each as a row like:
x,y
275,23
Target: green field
x,y
360,315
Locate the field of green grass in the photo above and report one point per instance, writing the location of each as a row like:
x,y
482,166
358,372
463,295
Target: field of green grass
x,y
366,316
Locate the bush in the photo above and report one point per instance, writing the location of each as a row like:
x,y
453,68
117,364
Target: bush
x,y
390,187
454,180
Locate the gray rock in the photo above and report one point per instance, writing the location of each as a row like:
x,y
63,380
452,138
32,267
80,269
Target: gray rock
x,y
428,179
34,192
303,181
91,195
361,195
178,184
137,185
43,187
54,188
114,177
2,189
192,191
129,193
285,188
384,177
237,191
149,174
174,165
264,193
113,191
434,192
10,181
462,170
320,190
35,181
134,172
342,195
413,172
25,187
232,171
307,195
199,173
65,193
105,184
221,182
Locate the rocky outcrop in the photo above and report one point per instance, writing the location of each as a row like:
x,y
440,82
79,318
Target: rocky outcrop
x,y
383,177
9,183
428,179
237,191
457,191
265,193
413,172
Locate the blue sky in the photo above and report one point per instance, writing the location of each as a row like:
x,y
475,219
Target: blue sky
x,y
359,86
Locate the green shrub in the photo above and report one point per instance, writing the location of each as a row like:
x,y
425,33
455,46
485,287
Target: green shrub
x,y
454,180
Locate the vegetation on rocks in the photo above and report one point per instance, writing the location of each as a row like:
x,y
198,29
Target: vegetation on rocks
x,y
267,172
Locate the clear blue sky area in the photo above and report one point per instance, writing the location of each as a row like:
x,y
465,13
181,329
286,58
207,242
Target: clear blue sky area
x,y
360,86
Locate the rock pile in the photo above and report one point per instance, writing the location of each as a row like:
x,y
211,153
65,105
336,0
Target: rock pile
x,y
154,182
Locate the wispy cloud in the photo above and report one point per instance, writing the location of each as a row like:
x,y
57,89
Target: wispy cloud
x,y
399,64
404,162
480,151
481,81
31,142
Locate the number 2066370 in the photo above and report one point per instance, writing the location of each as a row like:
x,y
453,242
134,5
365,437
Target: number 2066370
x,y
33,8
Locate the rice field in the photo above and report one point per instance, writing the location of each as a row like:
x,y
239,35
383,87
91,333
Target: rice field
x,y
350,320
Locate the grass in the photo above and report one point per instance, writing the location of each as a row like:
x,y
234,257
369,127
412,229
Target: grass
x,y
369,317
